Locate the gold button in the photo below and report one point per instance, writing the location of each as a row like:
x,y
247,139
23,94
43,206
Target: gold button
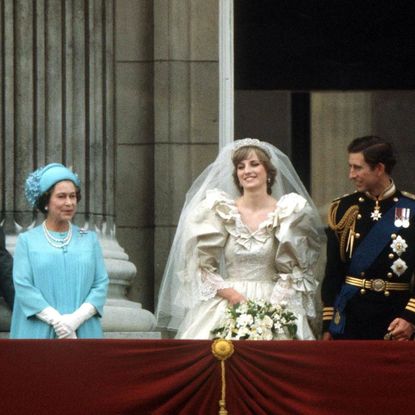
x,y
386,293
362,274
391,256
389,275
357,235
393,236
359,216
361,199
362,291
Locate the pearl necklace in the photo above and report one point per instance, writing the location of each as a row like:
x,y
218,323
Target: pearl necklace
x,y
57,242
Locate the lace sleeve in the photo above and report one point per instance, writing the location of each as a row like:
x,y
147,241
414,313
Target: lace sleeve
x,y
211,236
297,253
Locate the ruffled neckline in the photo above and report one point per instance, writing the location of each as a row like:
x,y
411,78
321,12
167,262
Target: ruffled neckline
x,y
225,207
265,224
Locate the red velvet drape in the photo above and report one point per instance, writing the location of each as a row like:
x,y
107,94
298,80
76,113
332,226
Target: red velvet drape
x,y
183,377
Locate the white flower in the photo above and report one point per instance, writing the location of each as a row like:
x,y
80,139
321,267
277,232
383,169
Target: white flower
x,y
243,308
257,320
243,331
267,322
261,303
244,320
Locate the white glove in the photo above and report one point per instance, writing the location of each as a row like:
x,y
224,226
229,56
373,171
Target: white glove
x,y
52,316
63,331
78,317
49,315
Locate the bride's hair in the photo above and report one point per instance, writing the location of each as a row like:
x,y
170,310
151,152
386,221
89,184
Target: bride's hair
x,y
243,153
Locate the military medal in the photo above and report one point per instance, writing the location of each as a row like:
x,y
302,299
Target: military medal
x,y
376,214
399,267
402,217
399,245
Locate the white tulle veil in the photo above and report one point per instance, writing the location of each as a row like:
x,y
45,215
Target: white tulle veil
x,y
180,286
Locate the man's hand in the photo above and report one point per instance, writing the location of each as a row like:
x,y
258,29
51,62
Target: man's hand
x,y
327,336
400,329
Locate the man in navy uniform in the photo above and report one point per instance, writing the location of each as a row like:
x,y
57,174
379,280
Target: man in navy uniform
x,y
367,291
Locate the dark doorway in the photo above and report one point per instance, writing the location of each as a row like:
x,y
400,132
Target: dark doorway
x,y
295,47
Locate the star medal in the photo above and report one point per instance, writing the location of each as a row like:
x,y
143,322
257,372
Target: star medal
x,y
402,217
399,267
376,214
399,245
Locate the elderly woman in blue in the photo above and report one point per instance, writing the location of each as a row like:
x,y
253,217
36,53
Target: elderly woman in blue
x,y
58,272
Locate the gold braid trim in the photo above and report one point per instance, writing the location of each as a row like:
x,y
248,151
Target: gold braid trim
x,y
344,229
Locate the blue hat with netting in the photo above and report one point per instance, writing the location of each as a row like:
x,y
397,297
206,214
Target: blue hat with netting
x,y
44,178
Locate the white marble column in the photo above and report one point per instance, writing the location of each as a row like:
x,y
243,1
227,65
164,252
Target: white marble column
x,y
57,105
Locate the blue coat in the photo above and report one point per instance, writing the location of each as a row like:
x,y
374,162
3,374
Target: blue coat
x,y
62,278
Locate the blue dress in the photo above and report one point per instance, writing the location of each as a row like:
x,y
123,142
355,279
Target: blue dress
x,y
62,278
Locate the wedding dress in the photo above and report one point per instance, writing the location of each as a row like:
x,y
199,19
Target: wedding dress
x,y
273,262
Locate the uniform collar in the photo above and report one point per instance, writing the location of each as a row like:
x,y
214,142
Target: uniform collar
x,y
388,192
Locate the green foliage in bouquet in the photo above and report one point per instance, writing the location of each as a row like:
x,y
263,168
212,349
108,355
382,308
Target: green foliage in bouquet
x,y
257,320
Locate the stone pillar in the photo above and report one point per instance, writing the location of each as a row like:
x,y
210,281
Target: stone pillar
x,y
186,101
336,118
58,96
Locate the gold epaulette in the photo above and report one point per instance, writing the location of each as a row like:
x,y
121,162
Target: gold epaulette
x,y
408,195
344,228
340,197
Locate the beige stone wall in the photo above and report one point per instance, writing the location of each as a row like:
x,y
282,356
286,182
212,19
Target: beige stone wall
x,y
166,123
186,108
134,126
339,117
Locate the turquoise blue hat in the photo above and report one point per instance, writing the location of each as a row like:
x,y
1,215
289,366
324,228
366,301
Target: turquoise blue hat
x,y
44,178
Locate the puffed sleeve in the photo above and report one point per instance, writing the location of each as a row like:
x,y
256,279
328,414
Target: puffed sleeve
x,y
209,235
297,253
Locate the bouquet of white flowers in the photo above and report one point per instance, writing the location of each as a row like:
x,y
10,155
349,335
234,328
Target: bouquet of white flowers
x,y
257,320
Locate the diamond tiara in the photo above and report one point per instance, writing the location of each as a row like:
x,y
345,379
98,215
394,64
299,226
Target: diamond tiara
x,y
251,142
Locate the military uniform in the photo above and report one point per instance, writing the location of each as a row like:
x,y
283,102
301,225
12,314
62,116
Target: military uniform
x,y
384,287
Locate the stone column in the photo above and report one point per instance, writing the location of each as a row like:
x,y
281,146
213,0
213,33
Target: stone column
x,y
336,118
186,101
57,83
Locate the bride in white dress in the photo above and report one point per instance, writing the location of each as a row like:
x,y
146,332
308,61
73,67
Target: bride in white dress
x,y
248,230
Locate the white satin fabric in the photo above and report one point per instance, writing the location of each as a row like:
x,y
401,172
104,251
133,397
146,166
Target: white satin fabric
x,y
274,262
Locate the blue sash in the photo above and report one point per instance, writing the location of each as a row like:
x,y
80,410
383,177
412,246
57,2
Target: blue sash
x,y
364,256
